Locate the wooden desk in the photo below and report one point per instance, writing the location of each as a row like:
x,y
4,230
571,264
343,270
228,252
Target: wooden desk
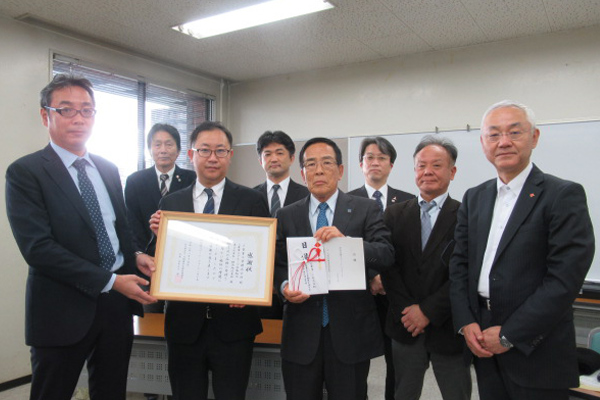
x,y
153,326
584,394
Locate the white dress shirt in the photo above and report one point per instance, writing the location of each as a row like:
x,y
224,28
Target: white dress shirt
x,y
505,203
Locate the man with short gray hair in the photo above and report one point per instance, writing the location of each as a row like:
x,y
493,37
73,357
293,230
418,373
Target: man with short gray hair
x,y
524,244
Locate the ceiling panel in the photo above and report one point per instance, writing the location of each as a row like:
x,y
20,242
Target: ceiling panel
x,y
354,31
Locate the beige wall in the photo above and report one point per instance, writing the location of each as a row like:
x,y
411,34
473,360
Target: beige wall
x,y
558,75
25,54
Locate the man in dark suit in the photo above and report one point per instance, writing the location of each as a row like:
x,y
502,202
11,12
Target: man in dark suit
x,y
329,338
66,210
524,243
205,337
145,188
419,319
377,157
276,153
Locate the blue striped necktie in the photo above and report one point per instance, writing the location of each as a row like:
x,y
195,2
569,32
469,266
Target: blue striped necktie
x,y
209,207
377,194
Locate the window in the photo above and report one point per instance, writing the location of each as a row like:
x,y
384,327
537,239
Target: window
x,y
127,109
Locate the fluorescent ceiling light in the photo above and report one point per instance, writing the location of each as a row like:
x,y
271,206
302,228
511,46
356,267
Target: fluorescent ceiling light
x,y
259,14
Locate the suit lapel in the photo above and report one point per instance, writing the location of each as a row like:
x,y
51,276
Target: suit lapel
x,y
151,183
444,222
301,218
230,198
59,174
343,211
532,189
486,199
413,222
176,183
392,197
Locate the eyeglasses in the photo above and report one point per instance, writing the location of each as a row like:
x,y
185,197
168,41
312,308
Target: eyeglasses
x,y
206,153
69,112
513,136
325,164
371,158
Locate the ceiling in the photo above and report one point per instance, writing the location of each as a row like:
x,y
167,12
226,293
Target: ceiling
x,y
354,31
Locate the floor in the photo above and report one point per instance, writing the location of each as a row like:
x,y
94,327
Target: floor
x,y
376,387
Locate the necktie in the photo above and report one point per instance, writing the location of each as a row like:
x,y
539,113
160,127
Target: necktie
x,y
377,194
275,203
321,222
209,207
88,194
163,184
425,222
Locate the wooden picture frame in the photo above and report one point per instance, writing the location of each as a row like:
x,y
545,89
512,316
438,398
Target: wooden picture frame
x,y
214,258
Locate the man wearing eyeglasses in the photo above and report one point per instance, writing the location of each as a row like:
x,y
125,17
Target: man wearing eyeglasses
x,y
67,213
377,157
205,337
329,339
524,244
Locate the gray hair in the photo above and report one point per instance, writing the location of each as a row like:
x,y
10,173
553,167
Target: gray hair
x,y
510,103
443,142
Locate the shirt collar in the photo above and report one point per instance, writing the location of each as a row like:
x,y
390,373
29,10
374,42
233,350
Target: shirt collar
x,y
283,185
517,183
439,201
170,172
69,158
331,202
217,189
383,190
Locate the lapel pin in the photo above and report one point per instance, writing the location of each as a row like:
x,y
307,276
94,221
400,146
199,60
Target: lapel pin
x,y
349,211
394,199
531,194
178,178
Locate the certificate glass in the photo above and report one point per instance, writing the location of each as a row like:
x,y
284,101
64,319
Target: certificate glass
x,y
214,258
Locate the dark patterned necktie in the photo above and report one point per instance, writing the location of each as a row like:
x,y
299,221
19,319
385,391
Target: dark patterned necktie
x,y
321,222
209,207
90,199
377,194
163,184
275,202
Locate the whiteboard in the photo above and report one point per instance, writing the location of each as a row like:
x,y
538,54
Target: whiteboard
x,y
568,150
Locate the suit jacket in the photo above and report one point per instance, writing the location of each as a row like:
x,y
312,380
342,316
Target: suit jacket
x,y
142,195
353,321
421,276
394,196
184,320
55,234
542,259
295,192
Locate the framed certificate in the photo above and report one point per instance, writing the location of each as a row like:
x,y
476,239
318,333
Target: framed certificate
x,y
214,258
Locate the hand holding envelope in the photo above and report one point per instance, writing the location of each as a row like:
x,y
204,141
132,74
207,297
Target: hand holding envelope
x,y
317,268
